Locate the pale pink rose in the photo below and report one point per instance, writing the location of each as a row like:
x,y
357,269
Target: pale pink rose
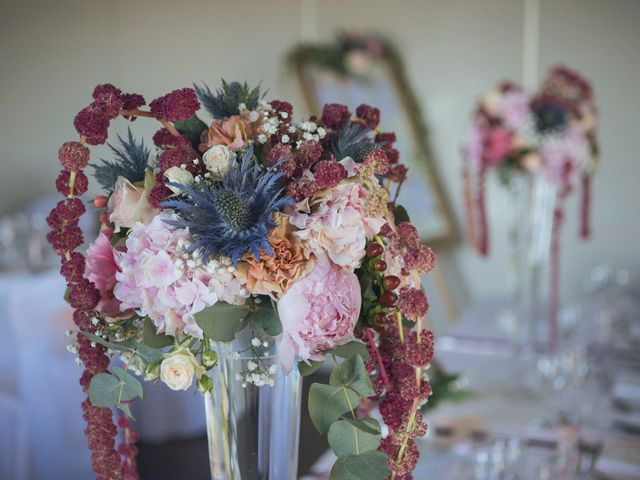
x,y
318,312
129,204
335,223
101,269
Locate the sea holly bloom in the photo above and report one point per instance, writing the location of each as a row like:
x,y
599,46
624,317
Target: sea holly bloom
x,y
318,312
234,218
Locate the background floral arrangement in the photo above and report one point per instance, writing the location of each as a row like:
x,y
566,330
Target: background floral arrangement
x,y
253,221
352,55
549,134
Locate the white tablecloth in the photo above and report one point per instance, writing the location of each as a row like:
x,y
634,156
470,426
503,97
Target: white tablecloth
x,y
42,376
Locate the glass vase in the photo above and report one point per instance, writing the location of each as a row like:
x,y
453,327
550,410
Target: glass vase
x,y
531,206
253,430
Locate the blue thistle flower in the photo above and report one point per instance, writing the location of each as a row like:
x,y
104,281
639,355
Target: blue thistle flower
x,y
235,217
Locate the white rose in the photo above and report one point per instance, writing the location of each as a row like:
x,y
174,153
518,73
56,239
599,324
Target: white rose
x,y
218,159
178,175
179,368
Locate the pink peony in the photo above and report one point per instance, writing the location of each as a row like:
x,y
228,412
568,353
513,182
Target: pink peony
x,y
101,269
335,223
129,204
318,312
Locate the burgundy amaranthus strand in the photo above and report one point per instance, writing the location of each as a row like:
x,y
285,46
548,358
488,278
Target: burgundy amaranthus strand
x,y
585,207
483,232
92,124
398,355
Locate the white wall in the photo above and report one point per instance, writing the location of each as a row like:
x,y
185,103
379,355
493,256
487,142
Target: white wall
x,y
52,53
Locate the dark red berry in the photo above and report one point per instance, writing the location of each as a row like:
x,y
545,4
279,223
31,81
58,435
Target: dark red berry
x,y
388,299
374,249
405,272
379,318
390,282
380,265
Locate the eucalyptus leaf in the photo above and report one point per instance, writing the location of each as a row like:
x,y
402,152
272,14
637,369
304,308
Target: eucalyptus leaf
x,y
266,318
327,403
132,386
125,408
353,437
110,390
352,373
370,465
104,390
222,321
124,346
307,369
149,354
351,348
153,339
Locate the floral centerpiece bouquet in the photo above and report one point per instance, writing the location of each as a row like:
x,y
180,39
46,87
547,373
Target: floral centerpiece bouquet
x,y
283,233
548,135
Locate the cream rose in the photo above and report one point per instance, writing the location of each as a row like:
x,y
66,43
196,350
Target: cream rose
x,y
178,175
179,368
129,204
218,159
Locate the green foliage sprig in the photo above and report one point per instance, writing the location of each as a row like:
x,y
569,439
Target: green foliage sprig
x,y
332,408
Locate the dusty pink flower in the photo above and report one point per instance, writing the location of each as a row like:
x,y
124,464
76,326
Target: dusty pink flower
x,y
318,312
232,132
101,269
335,223
129,204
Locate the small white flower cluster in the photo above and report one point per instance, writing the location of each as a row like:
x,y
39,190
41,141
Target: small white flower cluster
x,y
310,131
73,346
257,375
250,115
134,363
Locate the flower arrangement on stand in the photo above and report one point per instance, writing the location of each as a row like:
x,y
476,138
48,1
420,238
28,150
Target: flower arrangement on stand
x,y
251,222
549,136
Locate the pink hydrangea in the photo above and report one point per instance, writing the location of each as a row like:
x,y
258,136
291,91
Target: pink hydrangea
x,y
318,312
565,155
101,269
160,279
514,109
335,223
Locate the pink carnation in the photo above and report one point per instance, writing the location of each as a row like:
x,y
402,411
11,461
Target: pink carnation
x,y
335,223
159,279
318,312
101,269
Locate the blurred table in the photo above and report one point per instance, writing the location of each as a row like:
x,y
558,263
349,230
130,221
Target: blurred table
x,y
516,410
